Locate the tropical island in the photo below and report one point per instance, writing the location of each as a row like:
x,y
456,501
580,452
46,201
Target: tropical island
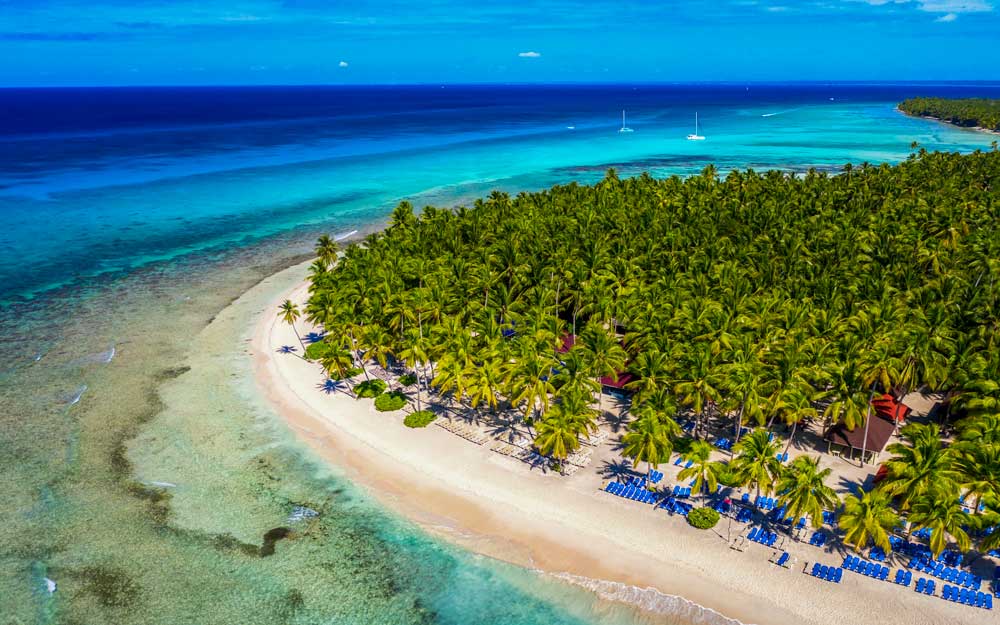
x,y
981,113
810,359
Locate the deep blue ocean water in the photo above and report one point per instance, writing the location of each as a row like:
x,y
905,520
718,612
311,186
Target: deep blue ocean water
x,y
133,216
105,180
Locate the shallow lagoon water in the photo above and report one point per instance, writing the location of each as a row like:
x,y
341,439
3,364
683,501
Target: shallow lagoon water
x,y
145,492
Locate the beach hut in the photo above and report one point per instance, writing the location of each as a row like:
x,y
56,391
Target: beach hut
x,y
879,431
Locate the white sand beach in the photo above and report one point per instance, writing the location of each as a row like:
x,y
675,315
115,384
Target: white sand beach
x,y
507,509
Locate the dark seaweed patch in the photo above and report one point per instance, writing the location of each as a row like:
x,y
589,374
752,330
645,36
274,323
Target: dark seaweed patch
x,y
271,537
110,586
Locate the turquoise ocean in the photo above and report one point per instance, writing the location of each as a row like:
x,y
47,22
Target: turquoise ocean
x,y
132,217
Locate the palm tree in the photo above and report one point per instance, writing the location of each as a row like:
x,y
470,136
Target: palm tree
x,y
704,471
378,344
289,313
414,355
559,432
326,250
803,491
605,356
743,375
530,381
978,467
918,468
337,363
940,511
648,439
483,380
868,519
698,381
652,368
756,461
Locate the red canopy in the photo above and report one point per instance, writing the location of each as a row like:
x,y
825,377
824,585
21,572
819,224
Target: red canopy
x,y
624,377
568,341
887,407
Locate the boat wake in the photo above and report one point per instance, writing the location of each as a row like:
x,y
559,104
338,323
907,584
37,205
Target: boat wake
x,y
780,112
344,235
649,600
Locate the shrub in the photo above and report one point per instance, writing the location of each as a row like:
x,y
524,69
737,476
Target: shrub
x,y
388,402
703,518
370,388
419,419
407,380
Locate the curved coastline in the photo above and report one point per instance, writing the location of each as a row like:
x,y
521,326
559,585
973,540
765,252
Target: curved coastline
x,y
500,508
945,122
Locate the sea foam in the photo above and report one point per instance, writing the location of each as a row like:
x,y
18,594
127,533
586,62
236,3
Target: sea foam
x,y
649,600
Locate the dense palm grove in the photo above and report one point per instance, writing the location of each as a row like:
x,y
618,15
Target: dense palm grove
x,y
970,112
766,299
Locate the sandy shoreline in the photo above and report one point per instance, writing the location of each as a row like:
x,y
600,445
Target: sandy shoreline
x,y
931,118
502,508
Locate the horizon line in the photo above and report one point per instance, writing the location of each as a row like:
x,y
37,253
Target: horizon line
x,y
992,82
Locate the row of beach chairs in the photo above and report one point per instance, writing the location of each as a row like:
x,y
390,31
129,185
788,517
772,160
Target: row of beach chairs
x,y
818,539
506,449
924,586
681,491
630,491
868,569
655,476
947,573
466,431
828,573
762,536
967,597
673,506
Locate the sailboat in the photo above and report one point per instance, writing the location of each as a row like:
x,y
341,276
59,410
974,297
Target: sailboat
x,y
624,128
695,136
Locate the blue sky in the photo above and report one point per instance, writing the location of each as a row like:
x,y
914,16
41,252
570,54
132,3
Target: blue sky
x,y
88,42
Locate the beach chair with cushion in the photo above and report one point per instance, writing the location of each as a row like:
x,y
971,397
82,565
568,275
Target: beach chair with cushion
x,y
929,588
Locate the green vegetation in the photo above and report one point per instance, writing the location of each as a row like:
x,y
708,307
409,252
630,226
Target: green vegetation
x,y
316,351
407,379
969,112
420,419
370,388
390,402
774,299
703,518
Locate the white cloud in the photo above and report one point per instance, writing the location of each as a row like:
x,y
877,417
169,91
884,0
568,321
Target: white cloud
x,y
941,6
531,54
955,6
342,64
948,17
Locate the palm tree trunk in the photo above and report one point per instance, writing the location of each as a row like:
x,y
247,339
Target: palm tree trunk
x,y
791,436
868,414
